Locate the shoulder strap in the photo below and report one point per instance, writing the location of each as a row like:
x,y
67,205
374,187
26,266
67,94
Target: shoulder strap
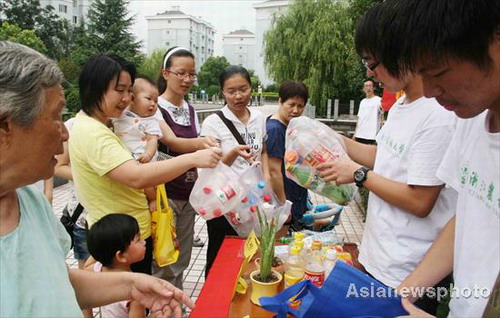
x,y
76,214
231,127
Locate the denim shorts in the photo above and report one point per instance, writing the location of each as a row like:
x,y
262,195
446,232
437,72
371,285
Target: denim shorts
x,y
80,250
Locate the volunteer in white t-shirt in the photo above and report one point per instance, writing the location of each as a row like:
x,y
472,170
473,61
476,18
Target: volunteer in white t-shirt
x,y
250,124
461,69
368,115
408,205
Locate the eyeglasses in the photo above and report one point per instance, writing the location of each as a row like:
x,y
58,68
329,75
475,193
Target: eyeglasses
x,y
370,67
182,76
242,91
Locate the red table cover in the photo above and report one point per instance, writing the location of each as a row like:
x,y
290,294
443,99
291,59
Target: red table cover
x,y
218,290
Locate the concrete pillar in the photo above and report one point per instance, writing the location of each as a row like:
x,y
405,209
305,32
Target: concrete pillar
x,y
329,109
351,107
336,109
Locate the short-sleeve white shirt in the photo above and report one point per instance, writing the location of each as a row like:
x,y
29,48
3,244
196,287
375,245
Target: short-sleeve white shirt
x,y
368,118
410,148
253,133
472,167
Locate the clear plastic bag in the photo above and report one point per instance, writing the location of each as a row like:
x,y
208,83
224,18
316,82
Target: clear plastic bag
x,y
309,143
217,192
244,217
221,191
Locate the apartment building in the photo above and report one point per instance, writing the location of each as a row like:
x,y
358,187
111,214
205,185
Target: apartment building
x,y
71,10
176,28
239,48
264,15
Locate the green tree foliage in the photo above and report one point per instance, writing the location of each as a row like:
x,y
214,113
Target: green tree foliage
x,y
271,88
109,27
358,7
210,72
255,79
314,43
13,33
151,65
47,25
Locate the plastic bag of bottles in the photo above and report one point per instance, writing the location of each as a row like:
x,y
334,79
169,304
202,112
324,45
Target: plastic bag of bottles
x,y
223,192
217,192
244,217
309,143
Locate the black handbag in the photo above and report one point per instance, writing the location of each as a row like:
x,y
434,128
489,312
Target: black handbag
x,y
68,221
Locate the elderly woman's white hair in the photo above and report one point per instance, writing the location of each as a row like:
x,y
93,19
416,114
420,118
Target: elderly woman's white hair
x,y
24,74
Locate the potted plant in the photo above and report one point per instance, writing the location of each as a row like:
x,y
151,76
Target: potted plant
x,y
265,281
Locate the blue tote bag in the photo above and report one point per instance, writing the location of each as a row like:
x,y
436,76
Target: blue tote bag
x,y
347,292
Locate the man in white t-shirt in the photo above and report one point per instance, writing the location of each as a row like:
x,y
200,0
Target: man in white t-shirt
x,y
408,205
458,57
368,115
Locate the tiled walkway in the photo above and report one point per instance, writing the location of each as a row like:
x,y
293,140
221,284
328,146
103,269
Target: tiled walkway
x,y
350,229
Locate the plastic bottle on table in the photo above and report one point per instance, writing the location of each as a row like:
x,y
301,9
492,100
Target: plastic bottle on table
x,y
330,260
315,271
294,267
295,237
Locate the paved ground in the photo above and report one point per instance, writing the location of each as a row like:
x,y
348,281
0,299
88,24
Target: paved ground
x,y
350,229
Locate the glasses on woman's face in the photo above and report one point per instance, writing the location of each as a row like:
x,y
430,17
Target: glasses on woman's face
x,y
234,92
370,67
183,75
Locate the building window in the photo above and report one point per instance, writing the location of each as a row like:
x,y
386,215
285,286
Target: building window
x,y
169,21
241,47
63,8
167,43
75,20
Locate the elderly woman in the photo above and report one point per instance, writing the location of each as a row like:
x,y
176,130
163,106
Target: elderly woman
x,y
292,100
34,279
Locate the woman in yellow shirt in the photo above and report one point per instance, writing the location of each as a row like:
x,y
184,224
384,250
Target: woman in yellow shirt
x,y
107,178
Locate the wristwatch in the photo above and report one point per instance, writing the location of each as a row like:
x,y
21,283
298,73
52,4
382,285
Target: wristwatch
x,y
360,176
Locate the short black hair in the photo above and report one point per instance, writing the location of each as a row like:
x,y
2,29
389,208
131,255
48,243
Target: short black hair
x,y
372,36
369,80
233,70
290,89
95,77
409,31
112,233
162,83
438,30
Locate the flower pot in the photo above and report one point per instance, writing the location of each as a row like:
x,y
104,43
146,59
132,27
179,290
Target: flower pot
x,y
260,289
279,268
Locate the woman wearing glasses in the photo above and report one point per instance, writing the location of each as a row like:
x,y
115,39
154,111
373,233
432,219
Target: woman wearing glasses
x,y
236,87
176,77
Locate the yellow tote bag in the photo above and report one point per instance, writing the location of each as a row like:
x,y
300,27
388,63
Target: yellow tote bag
x,y
165,243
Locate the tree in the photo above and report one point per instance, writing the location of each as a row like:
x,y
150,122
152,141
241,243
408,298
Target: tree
x,y
47,25
24,13
271,88
152,64
314,43
109,26
14,33
255,80
358,7
210,72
